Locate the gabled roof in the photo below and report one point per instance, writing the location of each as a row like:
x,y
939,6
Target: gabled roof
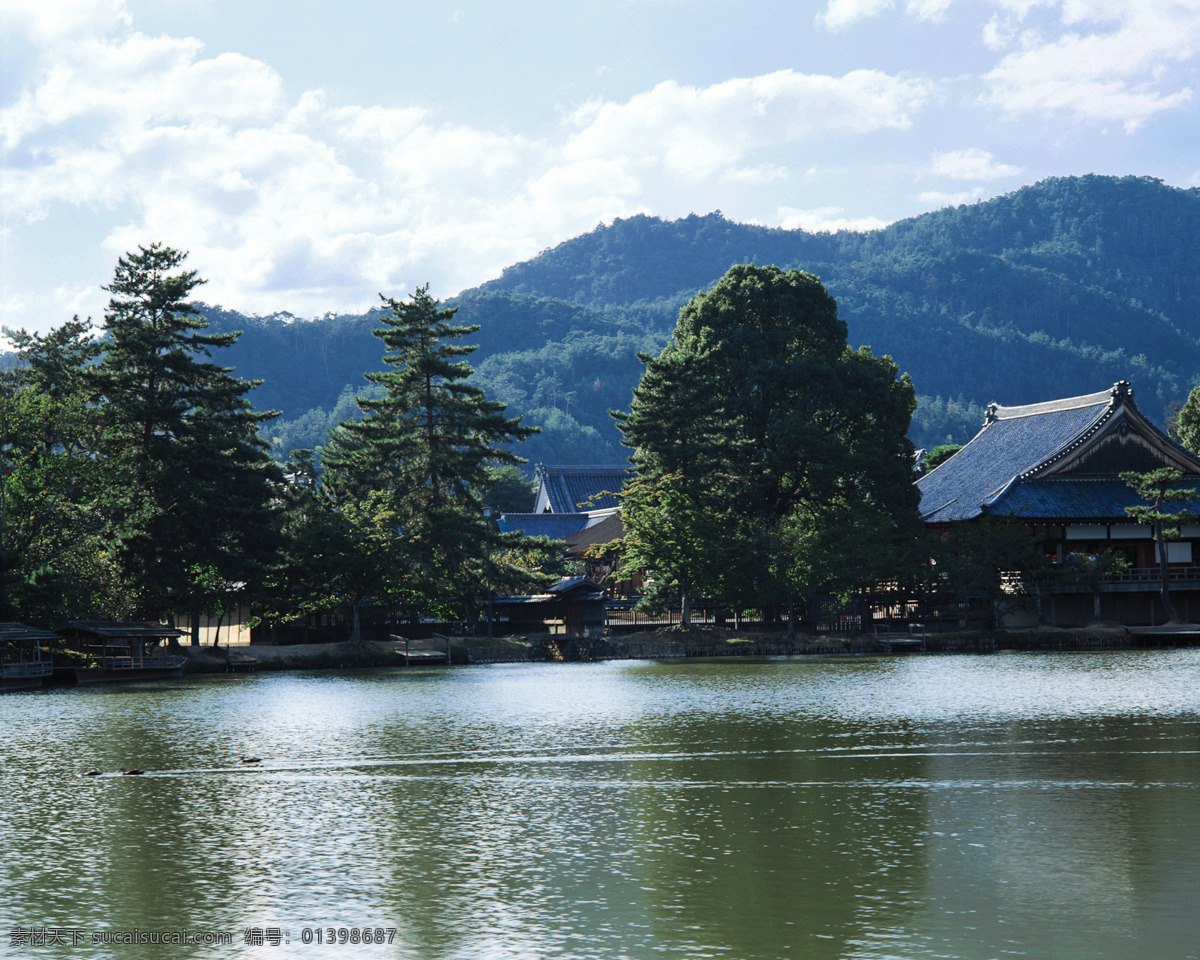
x,y
604,530
1020,446
569,589
571,584
573,488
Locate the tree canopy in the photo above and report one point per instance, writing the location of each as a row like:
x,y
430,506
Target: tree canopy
x,y
773,430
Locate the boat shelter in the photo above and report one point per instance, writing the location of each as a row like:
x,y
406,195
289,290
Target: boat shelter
x,y
574,605
121,650
22,666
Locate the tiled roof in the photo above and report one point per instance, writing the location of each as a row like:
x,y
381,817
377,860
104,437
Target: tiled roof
x,y
569,489
565,526
556,526
1100,498
1012,442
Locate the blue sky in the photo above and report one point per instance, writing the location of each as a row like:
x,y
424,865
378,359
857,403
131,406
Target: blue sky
x,y
311,155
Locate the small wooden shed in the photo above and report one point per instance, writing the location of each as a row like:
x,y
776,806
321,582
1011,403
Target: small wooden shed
x,y
574,605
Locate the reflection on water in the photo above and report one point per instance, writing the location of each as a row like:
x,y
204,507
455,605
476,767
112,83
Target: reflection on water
x,y
1041,805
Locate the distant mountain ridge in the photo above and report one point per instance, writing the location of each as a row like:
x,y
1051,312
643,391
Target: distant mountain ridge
x,y
1058,288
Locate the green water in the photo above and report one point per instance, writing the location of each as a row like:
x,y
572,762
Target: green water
x,y
923,806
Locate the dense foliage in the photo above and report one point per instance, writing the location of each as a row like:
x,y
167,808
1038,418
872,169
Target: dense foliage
x,y
772,459
137,485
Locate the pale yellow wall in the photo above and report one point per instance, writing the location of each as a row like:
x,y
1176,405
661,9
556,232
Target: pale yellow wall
x,y
234,631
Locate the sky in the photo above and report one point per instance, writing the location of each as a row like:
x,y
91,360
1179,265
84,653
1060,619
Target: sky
x,y
310,155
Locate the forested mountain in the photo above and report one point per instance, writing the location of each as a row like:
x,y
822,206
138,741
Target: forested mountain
x,y
1059,288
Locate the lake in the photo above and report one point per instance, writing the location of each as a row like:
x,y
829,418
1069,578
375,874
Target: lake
x,y
1019,805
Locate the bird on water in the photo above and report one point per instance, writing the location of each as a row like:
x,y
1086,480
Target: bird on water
x,y
90,773
250,759
130,773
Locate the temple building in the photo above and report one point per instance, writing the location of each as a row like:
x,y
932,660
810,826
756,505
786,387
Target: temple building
x,y
1056,466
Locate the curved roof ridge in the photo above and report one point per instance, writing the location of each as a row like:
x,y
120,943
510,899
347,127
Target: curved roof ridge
x,y
998,412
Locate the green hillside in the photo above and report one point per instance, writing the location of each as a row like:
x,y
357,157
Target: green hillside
x,y
1058,288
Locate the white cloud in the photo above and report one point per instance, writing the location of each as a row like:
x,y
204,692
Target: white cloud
x,y
308,205
935,198
696,132
971,164
842,13
928,9
1096,60
55,20
824,219
1113,64
1104,60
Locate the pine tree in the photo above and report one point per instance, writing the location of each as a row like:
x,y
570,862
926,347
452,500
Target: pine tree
x,y
188,482
420,461
1154,487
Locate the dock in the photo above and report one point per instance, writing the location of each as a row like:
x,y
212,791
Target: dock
x,y
1179,634
897,641
434,650
240,663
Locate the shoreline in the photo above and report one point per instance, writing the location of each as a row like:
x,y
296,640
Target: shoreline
x,y
667,644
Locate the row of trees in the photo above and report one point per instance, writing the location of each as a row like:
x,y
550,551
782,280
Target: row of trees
x,y
136,484
772,464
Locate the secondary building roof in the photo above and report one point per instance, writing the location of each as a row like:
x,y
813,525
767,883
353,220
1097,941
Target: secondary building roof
x,y
603,530
575,488
1056,460
556,526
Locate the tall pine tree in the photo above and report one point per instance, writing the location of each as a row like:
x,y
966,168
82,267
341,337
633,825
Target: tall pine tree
x,y
188,482
417,464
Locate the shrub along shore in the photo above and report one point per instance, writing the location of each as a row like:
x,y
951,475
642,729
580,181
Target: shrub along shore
x,y
667,644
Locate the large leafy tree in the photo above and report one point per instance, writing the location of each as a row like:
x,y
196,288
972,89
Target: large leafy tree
x,y
769,424
333,560
418,466
188,484
992,559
